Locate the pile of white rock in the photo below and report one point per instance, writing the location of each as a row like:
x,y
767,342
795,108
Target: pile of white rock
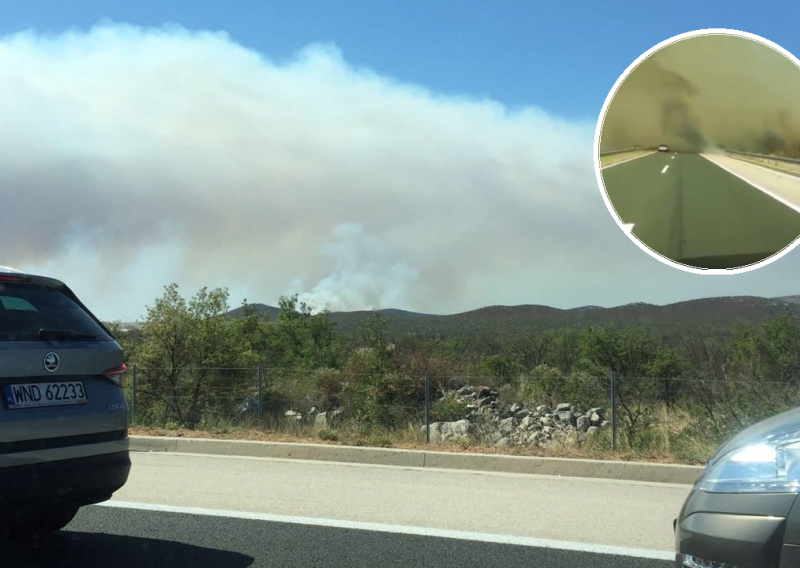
x,y
490,421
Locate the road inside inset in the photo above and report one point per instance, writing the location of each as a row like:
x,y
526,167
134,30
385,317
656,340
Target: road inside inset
x,y
707,211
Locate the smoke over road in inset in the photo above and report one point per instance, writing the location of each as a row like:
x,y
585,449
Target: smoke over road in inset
x,y
705,93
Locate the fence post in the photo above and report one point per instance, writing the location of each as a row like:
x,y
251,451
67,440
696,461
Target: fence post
x,y
613,411
427,409
260,395
133,395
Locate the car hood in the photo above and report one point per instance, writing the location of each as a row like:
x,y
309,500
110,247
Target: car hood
x,y
775,427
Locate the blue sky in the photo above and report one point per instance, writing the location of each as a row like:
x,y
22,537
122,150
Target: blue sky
x,y
561,56
255,162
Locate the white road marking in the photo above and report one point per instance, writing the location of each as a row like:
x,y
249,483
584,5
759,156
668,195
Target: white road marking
x,y
629,227
665,168
762,189
402,529
673,157
625,161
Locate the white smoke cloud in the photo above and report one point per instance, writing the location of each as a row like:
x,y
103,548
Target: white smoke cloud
x,y
131,158
366,274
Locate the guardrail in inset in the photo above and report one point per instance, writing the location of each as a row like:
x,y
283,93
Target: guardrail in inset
x,y
612,152
766,157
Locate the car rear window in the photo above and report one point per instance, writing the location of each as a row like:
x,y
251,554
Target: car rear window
x,y
27,309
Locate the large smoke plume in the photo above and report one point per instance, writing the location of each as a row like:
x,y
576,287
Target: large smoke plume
x,y
160,155
131,158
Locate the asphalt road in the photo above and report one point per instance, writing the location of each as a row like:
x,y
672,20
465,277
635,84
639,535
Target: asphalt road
x,y
191,510
533,506
704,212
125,538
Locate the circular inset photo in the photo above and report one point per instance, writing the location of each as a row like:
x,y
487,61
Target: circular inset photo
x,y
697,152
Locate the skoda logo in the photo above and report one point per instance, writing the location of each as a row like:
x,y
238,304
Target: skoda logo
x,y
51,361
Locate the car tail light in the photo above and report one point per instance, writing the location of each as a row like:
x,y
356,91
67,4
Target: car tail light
x,y
115,374
13,278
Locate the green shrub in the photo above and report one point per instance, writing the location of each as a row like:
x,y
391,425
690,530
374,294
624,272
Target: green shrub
x,y
502,370
586,390
385,399
380,440
360,400
328,434
544,385
449,409
688,447
329,384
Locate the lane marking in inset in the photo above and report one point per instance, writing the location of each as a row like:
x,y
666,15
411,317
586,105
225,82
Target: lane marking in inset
x,y
665,168
401,529
760,188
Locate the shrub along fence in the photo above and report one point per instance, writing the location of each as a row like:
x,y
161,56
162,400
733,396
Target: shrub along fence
x,y
625,412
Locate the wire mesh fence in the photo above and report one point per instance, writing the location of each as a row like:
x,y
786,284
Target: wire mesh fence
x,y
192,397
636,412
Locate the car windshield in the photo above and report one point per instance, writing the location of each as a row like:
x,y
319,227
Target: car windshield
x,y
33,313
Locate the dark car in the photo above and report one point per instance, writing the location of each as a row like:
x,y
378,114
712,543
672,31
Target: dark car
x,y
63,417
743,509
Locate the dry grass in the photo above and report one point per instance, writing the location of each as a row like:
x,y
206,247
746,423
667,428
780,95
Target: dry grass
x,y
667,440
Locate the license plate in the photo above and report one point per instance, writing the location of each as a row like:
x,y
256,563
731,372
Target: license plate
x,y
32,395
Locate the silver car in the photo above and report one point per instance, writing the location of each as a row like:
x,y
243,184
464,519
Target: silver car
x,y
743,510
63,418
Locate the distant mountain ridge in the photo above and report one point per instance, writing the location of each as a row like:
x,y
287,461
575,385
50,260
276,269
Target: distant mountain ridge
x,y
708,314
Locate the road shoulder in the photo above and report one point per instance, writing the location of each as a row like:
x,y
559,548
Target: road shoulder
x,y
598,469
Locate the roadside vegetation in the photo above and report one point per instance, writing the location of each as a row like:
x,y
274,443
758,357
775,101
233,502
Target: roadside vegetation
x,y
199,372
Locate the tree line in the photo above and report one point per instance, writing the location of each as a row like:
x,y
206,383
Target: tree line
x,y
192,358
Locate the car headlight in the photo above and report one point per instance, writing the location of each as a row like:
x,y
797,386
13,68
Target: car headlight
x,y
764,467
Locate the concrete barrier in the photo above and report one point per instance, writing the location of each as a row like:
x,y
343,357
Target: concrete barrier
x,y
598,469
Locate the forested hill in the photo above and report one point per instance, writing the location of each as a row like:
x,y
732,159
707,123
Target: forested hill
x,y
708,314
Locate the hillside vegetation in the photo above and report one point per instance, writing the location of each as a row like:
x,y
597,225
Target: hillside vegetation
x,y
708,314
688,375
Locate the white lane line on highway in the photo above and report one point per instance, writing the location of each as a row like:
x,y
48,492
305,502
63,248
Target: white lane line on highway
x,y
625,161
673,157
760,188
402,529
665,168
